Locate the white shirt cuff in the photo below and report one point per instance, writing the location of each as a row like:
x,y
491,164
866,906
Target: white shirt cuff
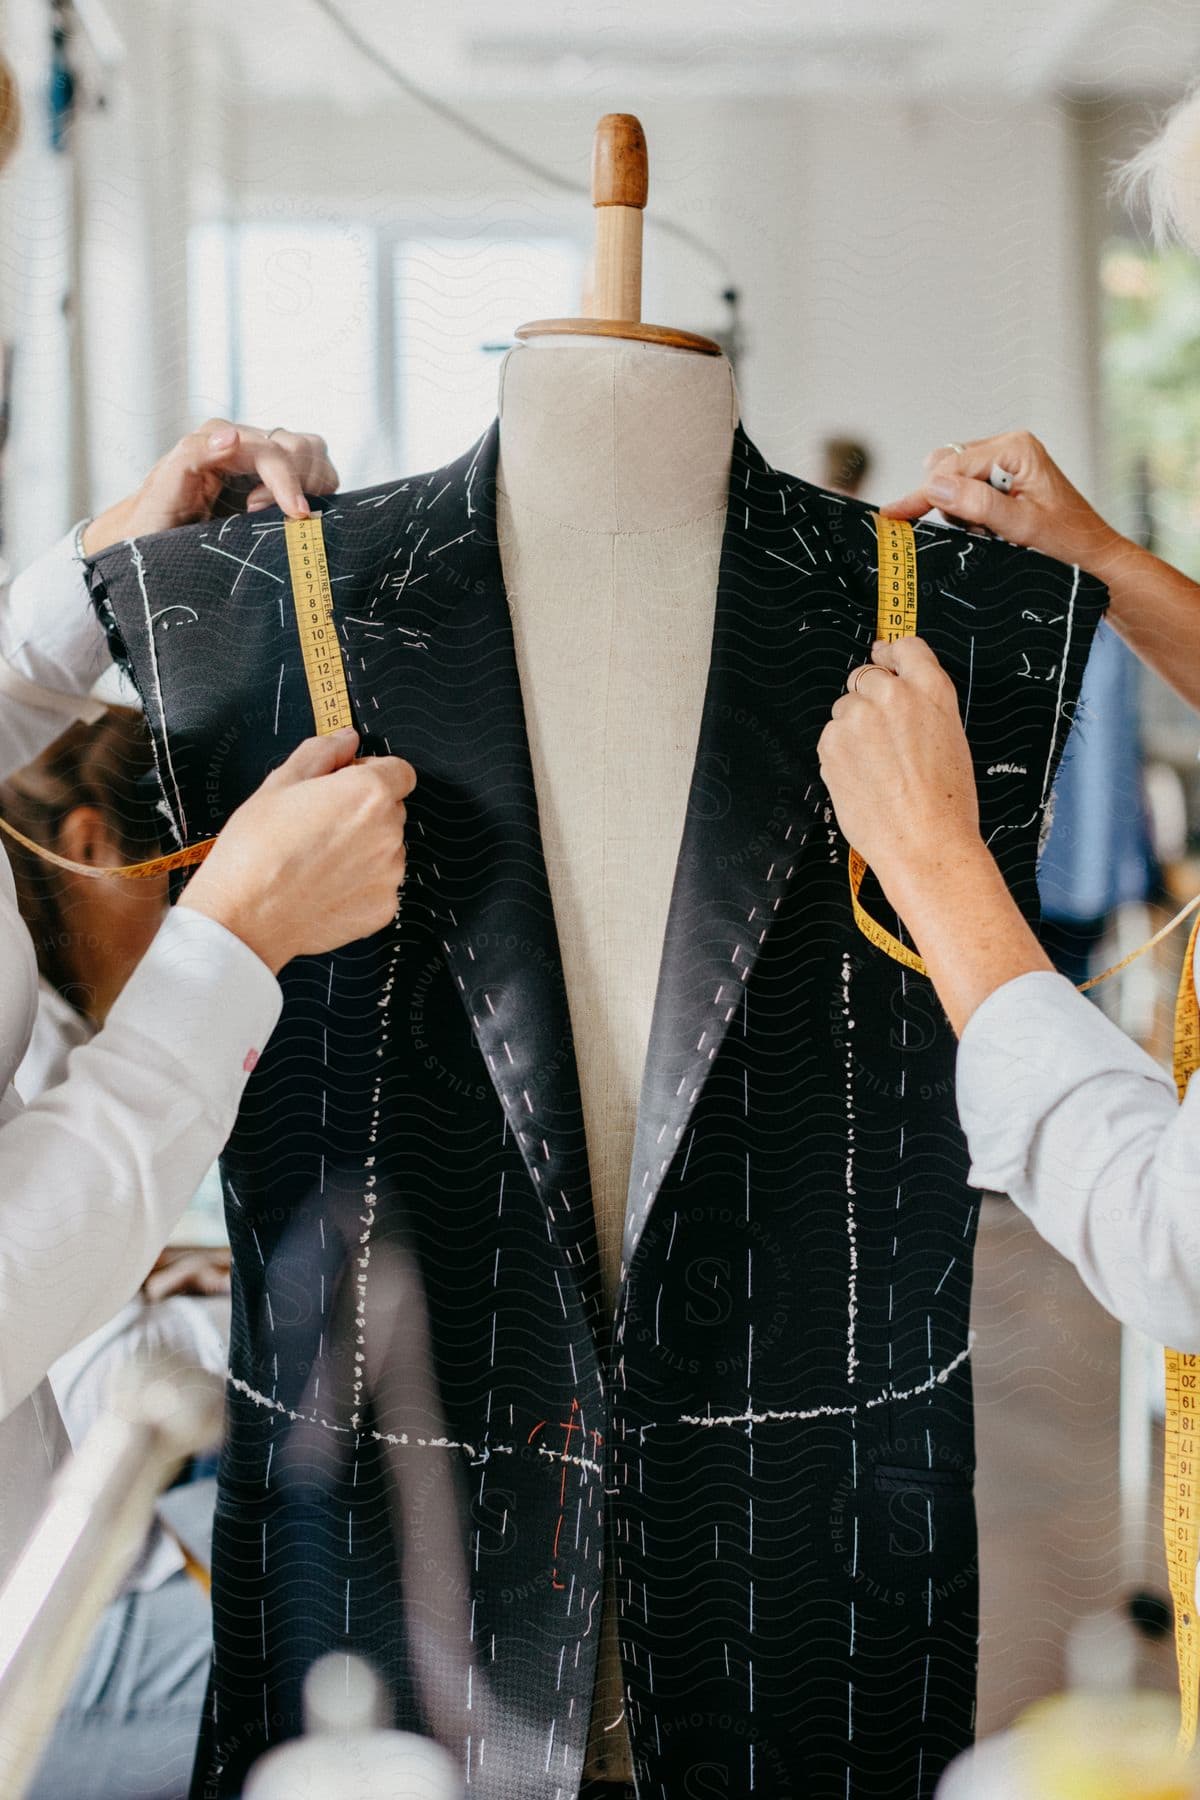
x,y
1032,1043
49,631
208,1000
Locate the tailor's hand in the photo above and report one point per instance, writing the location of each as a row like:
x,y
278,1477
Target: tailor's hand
x,y
895,759
204,1273
186,483
313,859
1041,511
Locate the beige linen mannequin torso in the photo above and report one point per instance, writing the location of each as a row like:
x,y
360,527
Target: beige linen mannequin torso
x,y
613,483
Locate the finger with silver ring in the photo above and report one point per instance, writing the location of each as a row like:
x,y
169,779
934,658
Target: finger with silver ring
x,y
958,449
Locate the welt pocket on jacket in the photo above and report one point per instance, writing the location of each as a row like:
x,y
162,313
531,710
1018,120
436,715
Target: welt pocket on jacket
x,y
892,1478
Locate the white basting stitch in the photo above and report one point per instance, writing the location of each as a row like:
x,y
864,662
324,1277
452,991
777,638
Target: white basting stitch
x,y
405,1440
178,818
1062,676
885,1397
370,1196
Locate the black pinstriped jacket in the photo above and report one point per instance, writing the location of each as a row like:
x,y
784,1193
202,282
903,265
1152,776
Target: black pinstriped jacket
x,y
435,1433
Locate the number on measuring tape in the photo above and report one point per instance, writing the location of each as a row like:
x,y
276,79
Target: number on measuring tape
x,y
312,595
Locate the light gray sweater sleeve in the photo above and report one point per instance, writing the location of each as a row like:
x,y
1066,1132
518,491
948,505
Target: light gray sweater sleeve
x,y
1082,1129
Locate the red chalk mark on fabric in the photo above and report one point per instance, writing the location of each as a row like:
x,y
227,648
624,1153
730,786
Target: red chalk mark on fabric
x,y
250,1061
569,1428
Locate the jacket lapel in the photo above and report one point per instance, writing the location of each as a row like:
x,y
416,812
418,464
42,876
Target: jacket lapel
x,y
437,632
785,633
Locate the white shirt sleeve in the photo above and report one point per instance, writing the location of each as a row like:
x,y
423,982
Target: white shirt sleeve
x,y
52,651
1082,1129
95,1172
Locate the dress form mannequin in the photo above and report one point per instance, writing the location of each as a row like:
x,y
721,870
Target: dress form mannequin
x,y
613,486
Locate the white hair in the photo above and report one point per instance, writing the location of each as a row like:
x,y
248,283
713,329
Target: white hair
x,y
1165,176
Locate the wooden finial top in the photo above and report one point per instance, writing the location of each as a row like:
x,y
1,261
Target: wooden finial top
x,y
620,167
620,184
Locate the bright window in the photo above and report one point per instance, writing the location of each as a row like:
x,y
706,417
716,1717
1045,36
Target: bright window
x,y
457,303
284,331
289,324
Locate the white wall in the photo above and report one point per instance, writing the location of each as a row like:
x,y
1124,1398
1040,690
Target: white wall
x,y
95,237
142,156
41,474
908,273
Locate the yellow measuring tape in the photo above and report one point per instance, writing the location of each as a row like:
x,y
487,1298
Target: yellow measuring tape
x,y
897,618
1181,1463
312,596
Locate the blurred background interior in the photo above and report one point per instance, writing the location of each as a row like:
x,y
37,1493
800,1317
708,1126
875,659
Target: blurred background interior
x,y
896,218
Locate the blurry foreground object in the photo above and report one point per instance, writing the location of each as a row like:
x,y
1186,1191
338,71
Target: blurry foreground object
x,y
346,1754
127,1729
1081,1747
100,1505
845,465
